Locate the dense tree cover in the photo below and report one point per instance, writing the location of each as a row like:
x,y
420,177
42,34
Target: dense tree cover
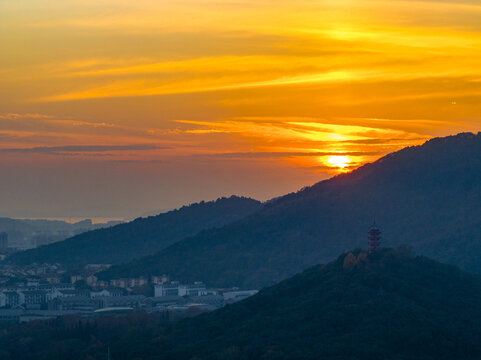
x,y
386,305
140,237
73,337
427,196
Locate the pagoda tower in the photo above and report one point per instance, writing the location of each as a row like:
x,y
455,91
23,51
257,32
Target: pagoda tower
x,y
374,237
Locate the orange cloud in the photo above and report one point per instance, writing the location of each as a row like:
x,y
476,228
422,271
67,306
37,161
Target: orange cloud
x,y
313,85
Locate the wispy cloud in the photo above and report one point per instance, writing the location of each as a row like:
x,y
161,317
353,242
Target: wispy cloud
x,y
286,154
136,161
288,82
82,149
16,116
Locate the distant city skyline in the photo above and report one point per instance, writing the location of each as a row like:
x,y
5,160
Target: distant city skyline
x,y
117,108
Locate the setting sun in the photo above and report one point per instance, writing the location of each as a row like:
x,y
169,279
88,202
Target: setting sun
x,y
340,161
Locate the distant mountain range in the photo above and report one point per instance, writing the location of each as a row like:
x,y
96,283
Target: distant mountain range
x,y
426,196
380,306
140,237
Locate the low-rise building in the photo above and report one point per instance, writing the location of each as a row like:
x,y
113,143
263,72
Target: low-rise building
x,y
50,287
121,283
75,278
196,289
32,297
161,303
166,289
107,293
78,304
155,279
137,282
175,289
53,279
12,298
133,301
91,280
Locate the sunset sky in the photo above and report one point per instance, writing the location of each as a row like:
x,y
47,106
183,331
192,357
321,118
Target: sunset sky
x,y
117,108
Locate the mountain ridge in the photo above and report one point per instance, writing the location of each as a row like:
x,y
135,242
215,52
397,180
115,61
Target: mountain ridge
x,y
427,196
141,236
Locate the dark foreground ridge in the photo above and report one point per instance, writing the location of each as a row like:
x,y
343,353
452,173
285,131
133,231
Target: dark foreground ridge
x,y
140,237
385,305
428,196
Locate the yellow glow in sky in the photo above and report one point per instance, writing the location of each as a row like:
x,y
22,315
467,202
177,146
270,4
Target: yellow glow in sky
x,y
339,161
309,87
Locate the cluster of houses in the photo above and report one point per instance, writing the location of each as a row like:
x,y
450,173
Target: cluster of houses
x,y
34,300
124,283
50,273
198,290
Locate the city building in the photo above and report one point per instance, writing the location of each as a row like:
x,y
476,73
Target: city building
x,y
53,279
175,289
33,297
132,301
137,282
75,278
91,280
121,283
107,293
196,289
12,298
78,304
161,303
166,289
159,279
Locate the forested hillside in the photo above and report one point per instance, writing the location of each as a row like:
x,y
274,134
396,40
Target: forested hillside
x,y
427,196
386,305
140,237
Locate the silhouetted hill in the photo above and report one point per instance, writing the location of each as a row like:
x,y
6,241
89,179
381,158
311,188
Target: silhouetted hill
x,y
386,305
427,196
140,237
